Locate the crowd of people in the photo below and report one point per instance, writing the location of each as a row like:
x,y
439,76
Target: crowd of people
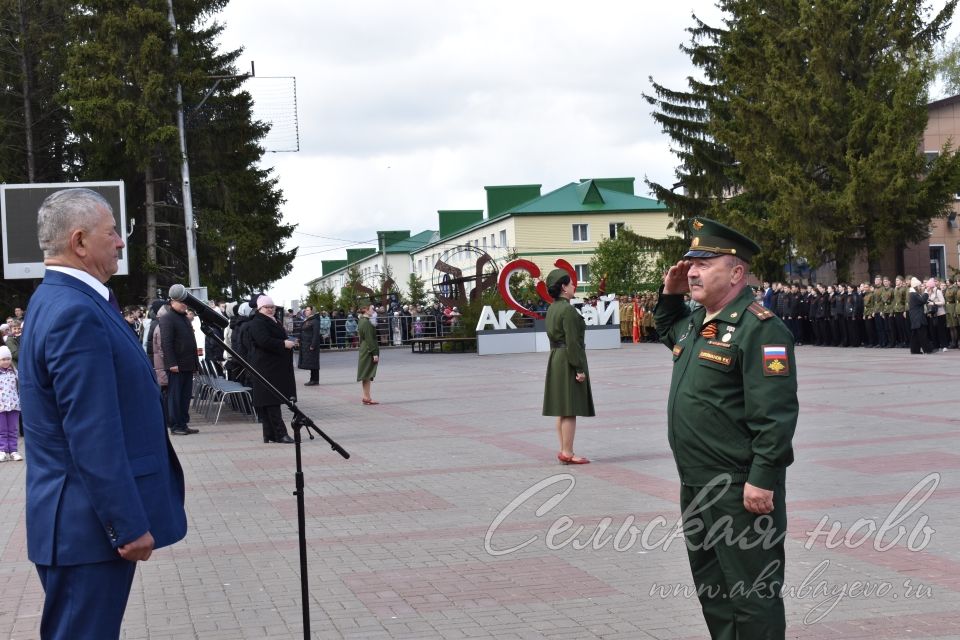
x,y
883,315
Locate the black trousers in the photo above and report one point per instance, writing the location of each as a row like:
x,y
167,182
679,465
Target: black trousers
x,y
918,340
271,419
880,324
893,329
870,330
179,391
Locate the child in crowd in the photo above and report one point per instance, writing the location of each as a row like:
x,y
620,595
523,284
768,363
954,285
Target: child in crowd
x,y
9,408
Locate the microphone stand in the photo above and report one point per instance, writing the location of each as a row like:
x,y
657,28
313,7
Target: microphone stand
x,y
300,421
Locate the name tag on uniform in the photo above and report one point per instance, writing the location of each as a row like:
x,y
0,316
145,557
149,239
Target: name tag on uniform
x,y
719,358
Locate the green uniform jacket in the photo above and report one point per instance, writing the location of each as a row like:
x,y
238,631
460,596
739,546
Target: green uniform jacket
x,y
366,367
562,394
869,304
733,399
899,304
885,300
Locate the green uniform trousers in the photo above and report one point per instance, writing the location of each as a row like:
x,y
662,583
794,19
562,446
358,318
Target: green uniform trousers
x,y
737,561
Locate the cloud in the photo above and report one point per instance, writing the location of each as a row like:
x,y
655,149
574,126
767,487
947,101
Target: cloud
x,y
405,108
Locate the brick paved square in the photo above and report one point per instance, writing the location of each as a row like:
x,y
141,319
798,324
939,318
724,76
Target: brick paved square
x,y
399,537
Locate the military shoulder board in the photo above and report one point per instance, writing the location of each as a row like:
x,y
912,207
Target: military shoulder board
x,y
760,311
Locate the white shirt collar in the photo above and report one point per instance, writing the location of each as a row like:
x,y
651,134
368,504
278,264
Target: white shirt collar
x,y
85,278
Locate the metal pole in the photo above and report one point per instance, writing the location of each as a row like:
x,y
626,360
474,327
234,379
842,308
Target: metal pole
x,y
185,172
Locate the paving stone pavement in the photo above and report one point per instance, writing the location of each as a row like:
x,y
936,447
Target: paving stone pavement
x,y
401,537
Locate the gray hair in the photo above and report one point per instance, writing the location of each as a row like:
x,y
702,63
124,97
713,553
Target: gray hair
x,y
63,212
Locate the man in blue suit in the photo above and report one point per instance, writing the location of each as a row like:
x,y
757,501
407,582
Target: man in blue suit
x,y
104,486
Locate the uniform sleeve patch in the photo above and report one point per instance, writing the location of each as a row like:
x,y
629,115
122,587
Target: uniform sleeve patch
x,y
775,362
676,350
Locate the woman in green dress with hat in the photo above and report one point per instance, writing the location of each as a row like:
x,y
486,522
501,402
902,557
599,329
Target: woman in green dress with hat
x,y
369,354
566,391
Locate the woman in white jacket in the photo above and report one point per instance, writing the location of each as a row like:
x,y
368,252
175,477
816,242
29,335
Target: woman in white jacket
x,y
937,313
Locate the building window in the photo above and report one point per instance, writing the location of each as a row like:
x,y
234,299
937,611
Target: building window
x,y
493,243
583,273
503,238
581,233
420,266
484,242
937,260
615,228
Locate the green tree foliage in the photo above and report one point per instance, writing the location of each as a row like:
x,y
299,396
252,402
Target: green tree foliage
x,y
631,263
33,123
948,68
321,299
817,125
34,141
352,294
100,79
416,290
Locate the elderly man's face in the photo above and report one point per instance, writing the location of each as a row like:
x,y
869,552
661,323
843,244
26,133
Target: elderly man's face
x,y
100,247
710,279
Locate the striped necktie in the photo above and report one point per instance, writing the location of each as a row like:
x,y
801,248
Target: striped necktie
x,y
709,330
113,302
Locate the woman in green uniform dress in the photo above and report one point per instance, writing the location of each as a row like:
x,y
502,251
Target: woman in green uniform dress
x,y
369,353
566,391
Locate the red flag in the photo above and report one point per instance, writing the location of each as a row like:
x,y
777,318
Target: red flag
x,y
637,317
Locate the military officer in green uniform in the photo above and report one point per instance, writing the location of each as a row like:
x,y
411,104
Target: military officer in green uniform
x,y
869,304
951,296
566,392
731,414
369,354
898,310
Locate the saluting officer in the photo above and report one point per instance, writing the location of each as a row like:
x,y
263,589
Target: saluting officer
x,y
731,414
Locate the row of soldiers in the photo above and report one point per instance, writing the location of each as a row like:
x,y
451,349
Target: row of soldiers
x,y
870,315
636,318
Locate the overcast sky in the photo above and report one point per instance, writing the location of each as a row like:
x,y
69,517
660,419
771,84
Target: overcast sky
x,y
410,107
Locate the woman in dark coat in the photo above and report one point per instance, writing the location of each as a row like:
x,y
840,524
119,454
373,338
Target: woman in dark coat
x,y
916,303
567,392
310,347
369,356
270,353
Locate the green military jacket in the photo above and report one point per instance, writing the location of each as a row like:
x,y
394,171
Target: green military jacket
x,y
869,304
733,398
367,335
884,299
900,294
562,394
951,297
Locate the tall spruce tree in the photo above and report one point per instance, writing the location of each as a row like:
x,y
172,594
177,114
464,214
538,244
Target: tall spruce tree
x,y
819,126
236,202
119,86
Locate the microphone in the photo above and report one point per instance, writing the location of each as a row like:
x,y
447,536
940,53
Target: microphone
x,y
206,314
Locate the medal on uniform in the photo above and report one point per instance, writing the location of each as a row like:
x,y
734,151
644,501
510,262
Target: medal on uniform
x,y
727,337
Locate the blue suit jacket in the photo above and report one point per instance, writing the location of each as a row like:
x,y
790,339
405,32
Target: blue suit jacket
x,y
100,468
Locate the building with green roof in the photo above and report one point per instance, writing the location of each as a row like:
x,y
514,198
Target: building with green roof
x,y
566,223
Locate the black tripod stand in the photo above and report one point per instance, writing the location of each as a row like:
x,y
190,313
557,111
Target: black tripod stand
x,y
300,421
